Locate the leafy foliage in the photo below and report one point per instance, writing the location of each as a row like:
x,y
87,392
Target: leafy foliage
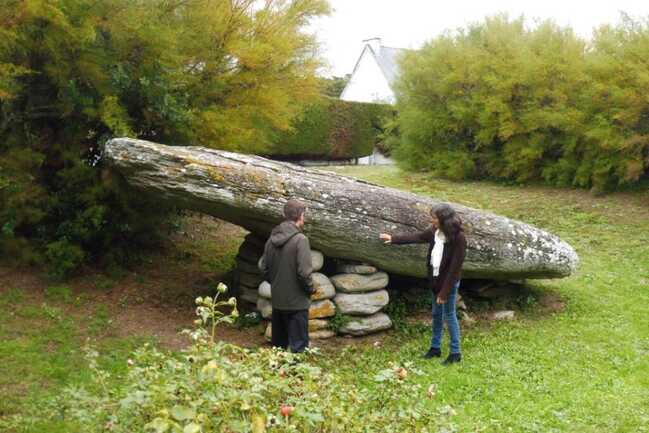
x,y
333,129
334,86
215,386
502,100
73,73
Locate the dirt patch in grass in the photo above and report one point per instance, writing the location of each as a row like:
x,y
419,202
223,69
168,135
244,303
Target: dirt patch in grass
x,y
153,299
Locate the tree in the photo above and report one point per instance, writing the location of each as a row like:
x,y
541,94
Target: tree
x,y
73,73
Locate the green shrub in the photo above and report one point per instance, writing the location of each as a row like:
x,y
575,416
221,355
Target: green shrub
x,y
74,73
506,101
332,129
65,257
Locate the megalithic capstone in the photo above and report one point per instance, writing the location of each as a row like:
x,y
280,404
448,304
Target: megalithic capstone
x,y
344,216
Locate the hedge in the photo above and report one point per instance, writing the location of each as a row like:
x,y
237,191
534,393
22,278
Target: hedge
x,y
502,100
332,129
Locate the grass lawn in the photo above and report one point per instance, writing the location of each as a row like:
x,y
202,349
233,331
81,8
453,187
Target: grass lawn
x,y
584,369
581,368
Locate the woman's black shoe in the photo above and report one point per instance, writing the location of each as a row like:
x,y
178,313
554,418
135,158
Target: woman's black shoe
x,y
433,353
452,357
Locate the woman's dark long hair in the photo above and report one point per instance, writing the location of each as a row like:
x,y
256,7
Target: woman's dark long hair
x,y
450,222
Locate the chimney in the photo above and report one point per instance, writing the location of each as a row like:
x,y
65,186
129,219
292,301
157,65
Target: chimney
x,y
374,43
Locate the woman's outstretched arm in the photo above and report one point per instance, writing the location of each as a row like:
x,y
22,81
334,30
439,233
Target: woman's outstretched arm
x,y
409,238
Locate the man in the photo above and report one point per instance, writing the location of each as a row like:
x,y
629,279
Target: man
x,y
286,265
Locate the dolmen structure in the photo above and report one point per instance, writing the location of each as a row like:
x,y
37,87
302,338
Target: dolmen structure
x,y
344,218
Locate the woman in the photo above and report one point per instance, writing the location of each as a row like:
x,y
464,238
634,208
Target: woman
x,y
446,252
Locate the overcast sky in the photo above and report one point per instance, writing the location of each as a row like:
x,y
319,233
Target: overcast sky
x,y
410,23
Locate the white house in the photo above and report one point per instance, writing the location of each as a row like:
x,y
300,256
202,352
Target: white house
x,y
374,74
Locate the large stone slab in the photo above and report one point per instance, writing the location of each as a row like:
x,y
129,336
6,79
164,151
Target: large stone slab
x,y
322,309
345,215
366,325
323,287
353,283
365,304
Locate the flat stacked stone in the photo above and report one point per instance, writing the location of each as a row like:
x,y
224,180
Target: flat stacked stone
x,y
353,268
322,309
324,291
323,287
264,290
363,304
363,325
248,295
359,292
247,273
319,325
265,307
250,280
317,260
361,295
354,283
318,310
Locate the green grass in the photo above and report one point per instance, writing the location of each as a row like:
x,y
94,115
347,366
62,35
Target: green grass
x,y
583,369
41,348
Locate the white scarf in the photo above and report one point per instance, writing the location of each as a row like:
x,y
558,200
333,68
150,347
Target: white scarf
x,y
438,250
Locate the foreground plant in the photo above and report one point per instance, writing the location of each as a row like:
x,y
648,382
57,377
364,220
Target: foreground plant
x,y
218,387
209,313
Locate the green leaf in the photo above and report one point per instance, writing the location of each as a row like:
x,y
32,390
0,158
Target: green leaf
x,y
192,428
182,413
158,425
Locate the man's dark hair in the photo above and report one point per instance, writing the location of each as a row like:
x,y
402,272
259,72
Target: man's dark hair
x,y
293,210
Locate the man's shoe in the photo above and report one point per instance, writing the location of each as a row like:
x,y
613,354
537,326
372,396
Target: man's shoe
x,y
452,358
433,352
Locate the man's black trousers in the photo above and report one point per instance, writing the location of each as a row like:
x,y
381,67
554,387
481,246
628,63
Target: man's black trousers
x,y
291,329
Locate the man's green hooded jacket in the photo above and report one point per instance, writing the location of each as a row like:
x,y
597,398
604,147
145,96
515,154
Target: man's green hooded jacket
x,y
286,265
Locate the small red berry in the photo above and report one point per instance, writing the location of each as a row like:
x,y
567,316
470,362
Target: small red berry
x,y
286,410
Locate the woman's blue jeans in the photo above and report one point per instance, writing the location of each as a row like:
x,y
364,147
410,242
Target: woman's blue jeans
x,y
446,313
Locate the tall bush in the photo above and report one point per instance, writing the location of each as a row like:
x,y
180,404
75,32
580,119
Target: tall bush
x,y
73,73
616,144
502,100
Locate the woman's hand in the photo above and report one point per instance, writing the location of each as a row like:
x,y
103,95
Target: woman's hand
x,y
441,301
386,238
